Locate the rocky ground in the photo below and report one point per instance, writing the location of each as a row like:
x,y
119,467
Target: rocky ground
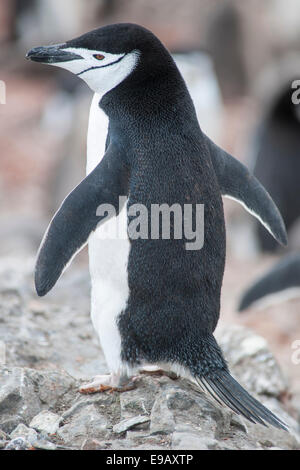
x,y
51,349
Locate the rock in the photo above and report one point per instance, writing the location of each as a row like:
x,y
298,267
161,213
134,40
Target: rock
x,y
181,417
236,421
23,431
93,444
46,422
18,400
3,439
141,399
43,444
29,437
25,392
3,436
191,441
3,444
85,422
129,423
180,400
251,361
149,447
54,387
162,419
178,414
107,404
18,444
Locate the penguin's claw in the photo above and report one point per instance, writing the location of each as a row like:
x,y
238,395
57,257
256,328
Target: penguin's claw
x,y
106,388
106,383
86,390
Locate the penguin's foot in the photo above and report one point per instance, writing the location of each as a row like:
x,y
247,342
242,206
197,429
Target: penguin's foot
x,y
108,383
157,372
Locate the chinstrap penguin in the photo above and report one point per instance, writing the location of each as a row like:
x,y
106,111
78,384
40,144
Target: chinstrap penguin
x,y
277,160
153,301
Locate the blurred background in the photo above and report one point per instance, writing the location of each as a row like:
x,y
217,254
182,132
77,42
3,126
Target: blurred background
x,y
239,60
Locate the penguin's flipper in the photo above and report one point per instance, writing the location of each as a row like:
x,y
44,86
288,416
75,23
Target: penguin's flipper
x,y
284,275
236,182
226,390
77,217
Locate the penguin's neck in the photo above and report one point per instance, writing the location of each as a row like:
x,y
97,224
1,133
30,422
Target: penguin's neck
x,y
140,114
156,98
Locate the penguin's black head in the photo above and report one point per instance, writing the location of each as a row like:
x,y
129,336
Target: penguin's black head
x,y
105,57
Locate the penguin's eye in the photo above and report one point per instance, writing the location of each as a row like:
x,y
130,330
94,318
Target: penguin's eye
x,y
99,56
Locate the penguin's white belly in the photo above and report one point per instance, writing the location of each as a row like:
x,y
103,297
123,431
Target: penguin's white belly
x,y
108,269
108,255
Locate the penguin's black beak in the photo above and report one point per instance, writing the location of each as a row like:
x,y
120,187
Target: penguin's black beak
x,y
51,54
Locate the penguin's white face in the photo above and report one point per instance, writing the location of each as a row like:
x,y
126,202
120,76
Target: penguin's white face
x,y
102,71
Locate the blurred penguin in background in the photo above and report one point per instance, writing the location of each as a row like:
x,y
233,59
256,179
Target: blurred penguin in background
x,y
225,43
276,153
277,164
281,282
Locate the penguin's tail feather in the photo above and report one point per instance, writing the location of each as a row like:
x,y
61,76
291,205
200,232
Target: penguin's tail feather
x,y
227,391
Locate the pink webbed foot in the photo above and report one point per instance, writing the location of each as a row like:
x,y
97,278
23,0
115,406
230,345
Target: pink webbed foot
x,y
108,383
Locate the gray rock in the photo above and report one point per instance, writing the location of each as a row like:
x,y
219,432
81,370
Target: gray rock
x,y
191,409
86,422
53,387
162,419
3,444
236,421
18,444
191,441
93,444
129,423
3,436
23,431
149,447
181,417
140,400
180,400
18,399
43,444
46,422
251,361
103,401
26,392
